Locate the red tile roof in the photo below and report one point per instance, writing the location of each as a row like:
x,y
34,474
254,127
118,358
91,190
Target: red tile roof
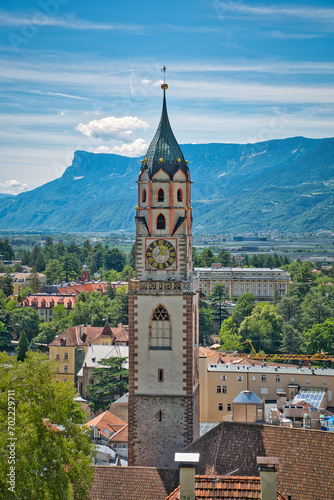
x,y
74,335
228,488
306,457
132,483
43,301
89,287
115,426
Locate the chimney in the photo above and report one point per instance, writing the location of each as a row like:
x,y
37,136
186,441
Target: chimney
x,y
267,468
187,465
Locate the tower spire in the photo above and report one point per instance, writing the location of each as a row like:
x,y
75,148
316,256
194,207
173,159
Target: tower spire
x,y
164,152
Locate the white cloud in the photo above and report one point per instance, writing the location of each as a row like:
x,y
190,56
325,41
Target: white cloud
x,y
313,13
38,18
295,36
136,148
57,94
112,127
13,187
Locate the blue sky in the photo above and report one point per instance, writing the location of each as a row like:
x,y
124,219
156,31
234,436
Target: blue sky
x,y
86,75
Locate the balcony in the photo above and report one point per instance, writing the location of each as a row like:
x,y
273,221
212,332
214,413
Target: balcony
x,y
163,287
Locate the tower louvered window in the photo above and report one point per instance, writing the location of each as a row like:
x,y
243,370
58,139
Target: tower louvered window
x,y
179,195
161,222
143,196
160,329
161,195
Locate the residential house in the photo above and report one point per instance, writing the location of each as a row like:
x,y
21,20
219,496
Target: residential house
x,y
44,304
68,350
22,280
94,354
111,432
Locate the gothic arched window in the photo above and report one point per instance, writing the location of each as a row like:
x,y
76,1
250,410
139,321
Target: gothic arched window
x,y
161,222
160,330
161,195
179,195
143,195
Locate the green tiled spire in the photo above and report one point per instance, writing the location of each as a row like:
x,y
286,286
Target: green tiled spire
x,y
164,152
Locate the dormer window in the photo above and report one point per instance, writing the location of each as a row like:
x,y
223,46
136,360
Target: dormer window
x,y
179,195
161,222
161,195
143,195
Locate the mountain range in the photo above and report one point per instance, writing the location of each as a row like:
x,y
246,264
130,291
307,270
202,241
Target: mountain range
x,y
285,185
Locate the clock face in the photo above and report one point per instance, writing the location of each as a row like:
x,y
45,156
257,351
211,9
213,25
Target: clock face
x,y
160,254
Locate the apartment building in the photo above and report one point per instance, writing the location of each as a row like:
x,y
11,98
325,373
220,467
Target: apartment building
x,y
221,383
265,283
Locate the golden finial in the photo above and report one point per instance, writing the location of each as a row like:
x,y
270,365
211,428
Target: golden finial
x,y
161,160
164,86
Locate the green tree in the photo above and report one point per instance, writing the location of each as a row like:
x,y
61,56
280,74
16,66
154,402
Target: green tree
x,y
218,304
96,258
110,383
37,259
92,308
263,327
320,338
5,336
292,339
243,308
6,250
32,346
316,309
289,307
25,319
119,309
34,281
6,285
110,291
51,463
114,259
48,330
205,320
224,258
71,267
22,347
207,257
54,271
230,338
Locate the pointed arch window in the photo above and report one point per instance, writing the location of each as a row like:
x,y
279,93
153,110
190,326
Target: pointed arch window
x,y
179,195
161,222
161,195
160,330
143,195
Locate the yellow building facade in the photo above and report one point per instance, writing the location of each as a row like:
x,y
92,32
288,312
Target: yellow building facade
x,y
221,383
69,349
265,284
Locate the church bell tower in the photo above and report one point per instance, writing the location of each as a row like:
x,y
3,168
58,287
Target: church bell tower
x,y
163,309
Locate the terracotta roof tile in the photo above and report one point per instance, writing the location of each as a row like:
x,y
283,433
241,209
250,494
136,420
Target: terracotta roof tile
x,y
306,457
132,483
88,287
115,426
228,488
42,301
